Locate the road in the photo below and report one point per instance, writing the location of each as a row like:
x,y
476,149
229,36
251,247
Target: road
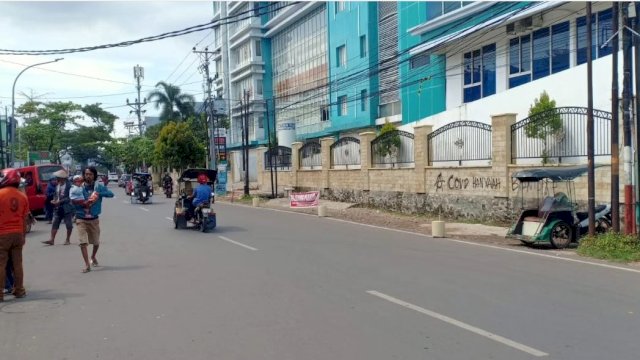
x,y
274,285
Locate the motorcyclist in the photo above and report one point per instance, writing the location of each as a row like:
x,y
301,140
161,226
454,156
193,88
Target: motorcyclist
x,y
167,182
201,194
141,184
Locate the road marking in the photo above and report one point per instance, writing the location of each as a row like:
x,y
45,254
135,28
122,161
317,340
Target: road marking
x,y
237,243
168,218
460,324
144,208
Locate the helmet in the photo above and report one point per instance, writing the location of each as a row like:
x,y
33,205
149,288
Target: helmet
x,y
203,179
9,177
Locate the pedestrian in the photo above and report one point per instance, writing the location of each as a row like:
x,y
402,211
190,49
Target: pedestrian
x,y
89,225
62,207
48,206
14,208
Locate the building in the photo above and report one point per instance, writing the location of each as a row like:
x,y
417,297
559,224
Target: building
x,y
318,69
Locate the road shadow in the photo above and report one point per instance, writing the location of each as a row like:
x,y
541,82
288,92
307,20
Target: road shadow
x,y
44,294
118,268
228,229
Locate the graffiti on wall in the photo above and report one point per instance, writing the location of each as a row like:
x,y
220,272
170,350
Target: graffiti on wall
x,y
466,183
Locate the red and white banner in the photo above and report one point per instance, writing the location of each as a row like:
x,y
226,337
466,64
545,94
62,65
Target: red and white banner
x,y
304,199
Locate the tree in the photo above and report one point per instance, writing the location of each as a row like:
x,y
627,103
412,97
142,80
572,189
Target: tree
x,y
175,105
100,117
545,123
137,151
389,144
178,148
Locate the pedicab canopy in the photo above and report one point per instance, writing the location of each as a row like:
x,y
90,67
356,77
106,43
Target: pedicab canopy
x,y
191,175
554,174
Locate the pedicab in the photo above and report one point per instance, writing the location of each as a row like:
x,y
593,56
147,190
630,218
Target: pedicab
x,y
141,188
202,217
555,220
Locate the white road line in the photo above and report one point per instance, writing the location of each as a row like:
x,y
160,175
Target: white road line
x,y
460,324
237,243
144,209
168,218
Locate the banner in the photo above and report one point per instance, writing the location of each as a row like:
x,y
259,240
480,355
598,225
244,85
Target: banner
x,y
305,199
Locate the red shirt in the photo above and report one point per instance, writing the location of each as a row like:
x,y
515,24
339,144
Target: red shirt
x,y
14,208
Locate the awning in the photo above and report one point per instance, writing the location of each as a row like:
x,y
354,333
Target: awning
x,y
487,25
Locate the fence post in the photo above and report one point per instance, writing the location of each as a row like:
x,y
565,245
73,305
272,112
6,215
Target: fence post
x,y
501,147
260,152
295,162
325,147
421,153
365,156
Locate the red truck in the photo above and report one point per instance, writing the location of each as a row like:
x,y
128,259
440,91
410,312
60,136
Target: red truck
x,y
37,177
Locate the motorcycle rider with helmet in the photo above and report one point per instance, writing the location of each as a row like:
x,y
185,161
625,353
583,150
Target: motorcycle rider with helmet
x,y
201,194
167,184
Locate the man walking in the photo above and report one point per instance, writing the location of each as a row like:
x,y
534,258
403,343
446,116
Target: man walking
x,y
89,224
63,209
14,208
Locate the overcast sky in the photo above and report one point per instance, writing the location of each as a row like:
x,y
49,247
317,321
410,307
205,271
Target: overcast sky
x,y
72,24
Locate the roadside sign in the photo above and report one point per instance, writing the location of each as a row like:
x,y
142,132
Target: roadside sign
x,y
221,183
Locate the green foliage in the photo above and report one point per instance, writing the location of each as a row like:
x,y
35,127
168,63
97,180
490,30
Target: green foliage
x,y
390,145
175,105
547,124
178,148
611,246
101,118
137,151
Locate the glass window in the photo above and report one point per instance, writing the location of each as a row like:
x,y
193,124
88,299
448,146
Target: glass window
x,y
602,31
450,6
489,70
560,47
259,86
520,60
258,48
479,73
341,56
341,6
420,60
363,46
363,100
541,56
342,105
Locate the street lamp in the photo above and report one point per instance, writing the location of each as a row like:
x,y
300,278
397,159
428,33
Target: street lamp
x,y
12,124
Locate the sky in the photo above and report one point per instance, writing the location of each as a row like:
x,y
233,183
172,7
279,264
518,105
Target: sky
x,y
100,76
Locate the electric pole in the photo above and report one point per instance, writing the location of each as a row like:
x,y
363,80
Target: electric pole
x,y
626,121
138,74
245,143
273,195
636,49
591,189
615,109
209,109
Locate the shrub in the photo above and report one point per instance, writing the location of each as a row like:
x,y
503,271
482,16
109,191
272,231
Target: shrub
x,y
611,246
545,124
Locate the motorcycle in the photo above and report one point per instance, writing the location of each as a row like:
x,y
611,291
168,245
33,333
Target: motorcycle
x,y
168,189
142,191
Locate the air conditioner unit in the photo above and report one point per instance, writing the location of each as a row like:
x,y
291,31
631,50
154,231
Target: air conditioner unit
x,y
511,29
526,23
536,21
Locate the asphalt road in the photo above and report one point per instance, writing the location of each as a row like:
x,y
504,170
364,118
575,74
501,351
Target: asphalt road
x,y
268,284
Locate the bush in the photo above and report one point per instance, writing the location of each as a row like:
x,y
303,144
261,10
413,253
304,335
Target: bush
x,y
611,246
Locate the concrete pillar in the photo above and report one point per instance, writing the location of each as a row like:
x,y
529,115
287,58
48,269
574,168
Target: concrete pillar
x,y
501,147
365,156
262,184
421,155
295,162
325,146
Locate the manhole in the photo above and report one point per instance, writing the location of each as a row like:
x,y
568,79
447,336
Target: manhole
x,y
30,306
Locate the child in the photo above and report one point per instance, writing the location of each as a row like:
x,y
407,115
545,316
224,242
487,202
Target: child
x,y
77,193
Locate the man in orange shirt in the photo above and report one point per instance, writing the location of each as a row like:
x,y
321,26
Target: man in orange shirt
x,y
14,208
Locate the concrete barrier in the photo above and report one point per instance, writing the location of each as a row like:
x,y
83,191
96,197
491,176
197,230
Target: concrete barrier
x,y
438,229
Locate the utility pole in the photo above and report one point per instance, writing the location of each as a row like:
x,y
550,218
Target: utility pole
x,y
138,74
209,109
615,109
245,144
626,121
591,189
636,49
273,195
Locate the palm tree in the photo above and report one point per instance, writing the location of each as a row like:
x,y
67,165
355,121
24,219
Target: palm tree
x,y
174,104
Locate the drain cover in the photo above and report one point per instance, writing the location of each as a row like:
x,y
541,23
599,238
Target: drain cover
x,y
30,306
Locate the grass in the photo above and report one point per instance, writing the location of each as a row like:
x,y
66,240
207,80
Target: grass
x,y
611,246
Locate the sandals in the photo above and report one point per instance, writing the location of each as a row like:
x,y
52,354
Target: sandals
x,y
49,242
86,270
67,242
94,263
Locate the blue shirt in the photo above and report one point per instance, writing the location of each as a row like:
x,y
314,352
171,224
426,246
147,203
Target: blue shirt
x,y
96,208
201,194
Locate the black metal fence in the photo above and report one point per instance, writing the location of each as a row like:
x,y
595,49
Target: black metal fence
x,y
560,133
394,148
280,158
345,152
311,155
460,141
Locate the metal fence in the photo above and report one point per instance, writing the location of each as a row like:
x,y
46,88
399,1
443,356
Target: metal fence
x,y
560,133
345,152
311,155
394,148
280,158
460,141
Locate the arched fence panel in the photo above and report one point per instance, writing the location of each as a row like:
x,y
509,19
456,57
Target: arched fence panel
x,y
311,155
460,141
345,153
560,133
280,158
394,148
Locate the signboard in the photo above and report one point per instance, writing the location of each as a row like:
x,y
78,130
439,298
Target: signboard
x,y
39,157
221,184
304,199
220,144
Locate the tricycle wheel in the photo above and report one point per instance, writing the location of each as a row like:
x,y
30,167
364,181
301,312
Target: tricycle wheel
x,y
204,224
561,235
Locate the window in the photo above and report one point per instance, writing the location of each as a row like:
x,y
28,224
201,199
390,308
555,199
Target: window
x,y
363,46
420,60
341,56
261,122
363,100
259,87
341,6
479,73
324,113
539,54
438,8
258,49
602,30
342,105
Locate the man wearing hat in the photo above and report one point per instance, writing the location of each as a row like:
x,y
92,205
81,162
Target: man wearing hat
x,y
63,209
